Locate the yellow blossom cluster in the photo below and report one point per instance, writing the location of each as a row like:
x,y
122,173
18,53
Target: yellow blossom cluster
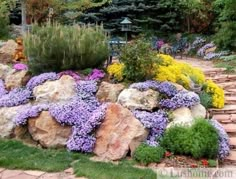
x,y
170,69
217,94
116,70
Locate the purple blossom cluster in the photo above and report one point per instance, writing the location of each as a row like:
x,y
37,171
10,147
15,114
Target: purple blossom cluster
x,y
86,89
212,55
197,42
15,97
70,73
164,87
82,138
181,99
29,112
72,113
167,88
202,50
83,117
224,146
156,122
3,91
159,44
20,66
40,79
96,74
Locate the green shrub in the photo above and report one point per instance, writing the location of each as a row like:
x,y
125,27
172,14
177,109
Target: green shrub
x,y
199,140
225,37
146,154
56,48
206,99
138,60
212,163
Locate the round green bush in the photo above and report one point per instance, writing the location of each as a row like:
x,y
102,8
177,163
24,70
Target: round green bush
x,y
146,154
199,140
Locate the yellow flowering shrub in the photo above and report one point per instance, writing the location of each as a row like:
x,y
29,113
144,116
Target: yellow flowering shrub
x,y
217,94
172,70
116,70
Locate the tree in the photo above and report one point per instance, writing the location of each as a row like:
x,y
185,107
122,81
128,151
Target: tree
x,y
146,15
5,7
23,16
226,32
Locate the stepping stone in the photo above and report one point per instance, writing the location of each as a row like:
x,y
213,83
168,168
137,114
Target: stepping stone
x,y
34,173
11,173
231,128
227,85
22,176
226,108
230,99
232,156
225,117
232,141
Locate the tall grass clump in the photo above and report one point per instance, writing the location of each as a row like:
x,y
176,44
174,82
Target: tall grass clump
x,y
57,47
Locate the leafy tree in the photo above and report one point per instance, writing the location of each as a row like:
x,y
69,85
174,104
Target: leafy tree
x,y
226,32
5,7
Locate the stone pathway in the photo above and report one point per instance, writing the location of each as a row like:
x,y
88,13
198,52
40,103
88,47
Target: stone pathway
x,y
30,174
227,115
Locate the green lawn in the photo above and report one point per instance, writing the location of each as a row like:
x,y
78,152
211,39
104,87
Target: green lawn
x,y
15,155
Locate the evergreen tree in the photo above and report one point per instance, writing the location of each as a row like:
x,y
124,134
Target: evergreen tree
x,y
158,15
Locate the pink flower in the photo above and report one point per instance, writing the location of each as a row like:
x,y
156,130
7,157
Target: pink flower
x,y
20,66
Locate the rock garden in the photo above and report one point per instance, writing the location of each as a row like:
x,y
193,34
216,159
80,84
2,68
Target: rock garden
x,y
63,104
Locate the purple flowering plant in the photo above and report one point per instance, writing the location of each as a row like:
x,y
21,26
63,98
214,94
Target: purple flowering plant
x,y
29,112
40,79
212,55
15,97
96,74
163,87
3,91
156,122
224,146
181,99
70,73
20,66
202,50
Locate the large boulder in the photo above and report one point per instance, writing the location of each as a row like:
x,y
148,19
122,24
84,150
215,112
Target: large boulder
x,y
119,132
4,71
198,111
55,91
7,51
47,131
108,92
16,79
135,99
181,116
7,124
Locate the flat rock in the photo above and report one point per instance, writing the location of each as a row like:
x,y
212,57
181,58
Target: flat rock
x,y
135,99
108,92
47,131
34,172
10,173
55,91
232,141
119,132
232,156
231,128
